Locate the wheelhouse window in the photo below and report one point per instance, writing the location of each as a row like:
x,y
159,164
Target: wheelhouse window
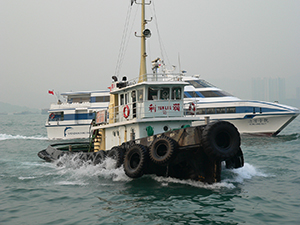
x,y
176,93
140,94
165,93
126,99
122,99
152,94
133,96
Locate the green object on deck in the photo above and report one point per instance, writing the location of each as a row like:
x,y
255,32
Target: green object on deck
x,y
150,131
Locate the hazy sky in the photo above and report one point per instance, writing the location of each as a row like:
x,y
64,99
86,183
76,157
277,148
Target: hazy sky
x,y
74,44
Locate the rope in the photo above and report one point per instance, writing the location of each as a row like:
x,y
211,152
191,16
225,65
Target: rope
x,y
161,45
123,40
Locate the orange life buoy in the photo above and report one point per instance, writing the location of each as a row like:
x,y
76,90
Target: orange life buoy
x,y
126,111
51,116
192,107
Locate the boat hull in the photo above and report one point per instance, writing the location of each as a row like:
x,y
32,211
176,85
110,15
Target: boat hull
x,y
68,132
260,125
189,153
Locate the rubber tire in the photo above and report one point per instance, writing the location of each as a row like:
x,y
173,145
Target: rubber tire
x,y
99,157
162,150
135,161
221,140
236,161
117,154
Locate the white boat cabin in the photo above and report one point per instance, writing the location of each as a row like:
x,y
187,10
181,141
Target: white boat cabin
x,y
142,109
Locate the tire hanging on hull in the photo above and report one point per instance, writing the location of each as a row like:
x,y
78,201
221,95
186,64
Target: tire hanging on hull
x,y
221,140
135,161
162,150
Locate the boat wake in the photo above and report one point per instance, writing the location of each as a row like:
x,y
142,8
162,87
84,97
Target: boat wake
x,y
230,178
78,169
9,137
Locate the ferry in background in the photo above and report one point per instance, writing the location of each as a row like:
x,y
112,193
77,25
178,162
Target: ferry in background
x,y
70,118
205,100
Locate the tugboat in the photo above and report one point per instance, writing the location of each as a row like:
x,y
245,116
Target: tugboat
x,y
145,130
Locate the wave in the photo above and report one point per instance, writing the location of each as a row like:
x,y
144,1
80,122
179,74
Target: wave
x,y
78,171
232,177
9,137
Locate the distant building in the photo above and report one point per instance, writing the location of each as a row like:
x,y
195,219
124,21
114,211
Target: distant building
x,y
268,89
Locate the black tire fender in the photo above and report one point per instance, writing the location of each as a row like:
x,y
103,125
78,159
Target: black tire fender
x,y
135,161
221,140
117,154
162,150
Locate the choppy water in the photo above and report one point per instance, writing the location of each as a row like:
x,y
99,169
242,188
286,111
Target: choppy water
x,y
265,191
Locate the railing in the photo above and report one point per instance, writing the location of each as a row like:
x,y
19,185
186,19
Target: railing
x,y
155,77
143,110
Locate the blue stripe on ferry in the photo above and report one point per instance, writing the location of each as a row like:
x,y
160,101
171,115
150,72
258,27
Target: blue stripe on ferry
x,y
247,109
82,116
187,94
199,94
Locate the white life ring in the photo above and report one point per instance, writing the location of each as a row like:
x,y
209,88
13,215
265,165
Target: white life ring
x,y
192,107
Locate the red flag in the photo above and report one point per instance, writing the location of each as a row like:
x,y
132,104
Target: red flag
x,y
51,92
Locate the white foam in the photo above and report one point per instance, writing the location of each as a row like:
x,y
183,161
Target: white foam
x,y
81,170
166,180
26,178
246,173
9,136
78,171
236,176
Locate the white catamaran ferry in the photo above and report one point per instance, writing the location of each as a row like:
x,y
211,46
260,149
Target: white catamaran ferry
x,y
249,116
70,118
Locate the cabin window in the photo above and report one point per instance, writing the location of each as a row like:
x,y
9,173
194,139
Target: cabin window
x,y
199,83
176,93
79,99
140,95
209,94
230,110
210,110
220,110
152,94
200,111
100,99
165,93
192,94
122,99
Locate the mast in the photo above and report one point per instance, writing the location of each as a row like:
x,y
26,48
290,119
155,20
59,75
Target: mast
x,y
145,33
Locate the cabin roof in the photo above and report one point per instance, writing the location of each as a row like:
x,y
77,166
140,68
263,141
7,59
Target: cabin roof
x,y
85,93
116,90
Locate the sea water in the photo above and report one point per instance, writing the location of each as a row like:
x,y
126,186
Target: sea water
x,y
265,191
